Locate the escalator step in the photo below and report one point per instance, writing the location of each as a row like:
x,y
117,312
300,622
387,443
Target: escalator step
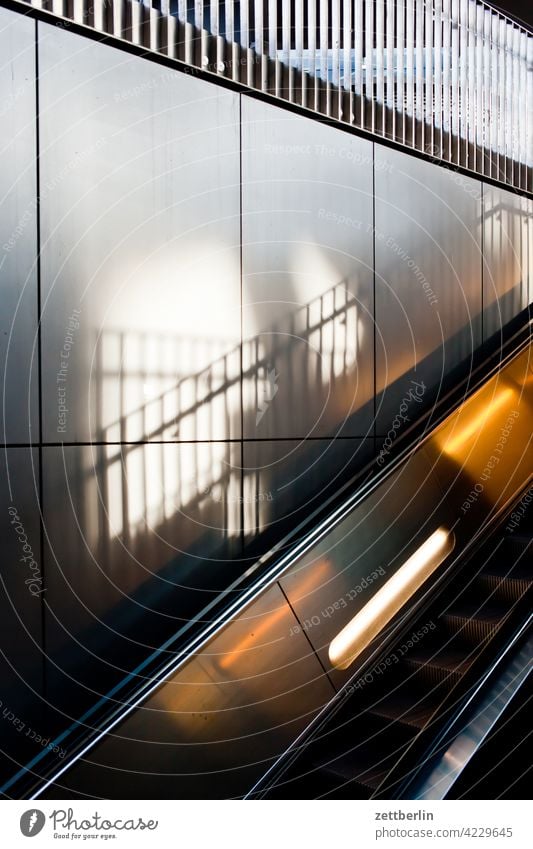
x,y
367,772
509,588
514,546
472,622
408,706
438,665
361,754
366,732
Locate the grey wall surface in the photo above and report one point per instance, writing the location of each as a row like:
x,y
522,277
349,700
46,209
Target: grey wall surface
x,y
307,277
222,287
428,275
140,232
133,549
505,257
18,231
22,590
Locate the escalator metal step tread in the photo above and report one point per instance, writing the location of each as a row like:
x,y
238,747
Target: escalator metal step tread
x,y
381,739
511,588
342,787
368,775
363,762
441,664
473,621
505,567
407,706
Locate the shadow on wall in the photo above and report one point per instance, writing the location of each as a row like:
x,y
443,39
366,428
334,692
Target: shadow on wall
x,y
161,523
153,529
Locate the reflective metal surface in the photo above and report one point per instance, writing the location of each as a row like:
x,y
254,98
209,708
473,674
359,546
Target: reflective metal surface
x,y
145,336
215,727
140,231
307,264
139,539
360,549
18,236
334,581
285,479
22,589
428,276
484,454
506,258
527,258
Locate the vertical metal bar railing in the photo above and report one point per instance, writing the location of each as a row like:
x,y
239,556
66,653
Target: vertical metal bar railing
x,y
409,100
347,46
358,63
389,113
480,80
429,76
446,79
399,124
437,119
472,83
419,71
380,69
453,77
324,70
336,56
370,101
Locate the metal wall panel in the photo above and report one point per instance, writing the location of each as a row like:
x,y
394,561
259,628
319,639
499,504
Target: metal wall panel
x,y
136,534
21,596
222,719
286,479
505,287
18,234
428,275
527,249
483,454
140,230
307,265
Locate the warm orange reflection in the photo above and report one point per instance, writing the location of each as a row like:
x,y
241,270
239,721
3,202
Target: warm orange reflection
x,y
313,578
453,443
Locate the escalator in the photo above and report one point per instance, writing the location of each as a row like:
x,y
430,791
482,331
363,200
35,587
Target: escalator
x,y
501,768
375,738
256,701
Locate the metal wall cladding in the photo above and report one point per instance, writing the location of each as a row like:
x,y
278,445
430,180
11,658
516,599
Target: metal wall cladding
x,y
428,275
334,580
220,721
505,253
483,454
139,538
307,266
22,589
527,246
285,480
18,233
140,233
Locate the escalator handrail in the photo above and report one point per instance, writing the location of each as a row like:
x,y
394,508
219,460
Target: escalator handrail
x,y
457,721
